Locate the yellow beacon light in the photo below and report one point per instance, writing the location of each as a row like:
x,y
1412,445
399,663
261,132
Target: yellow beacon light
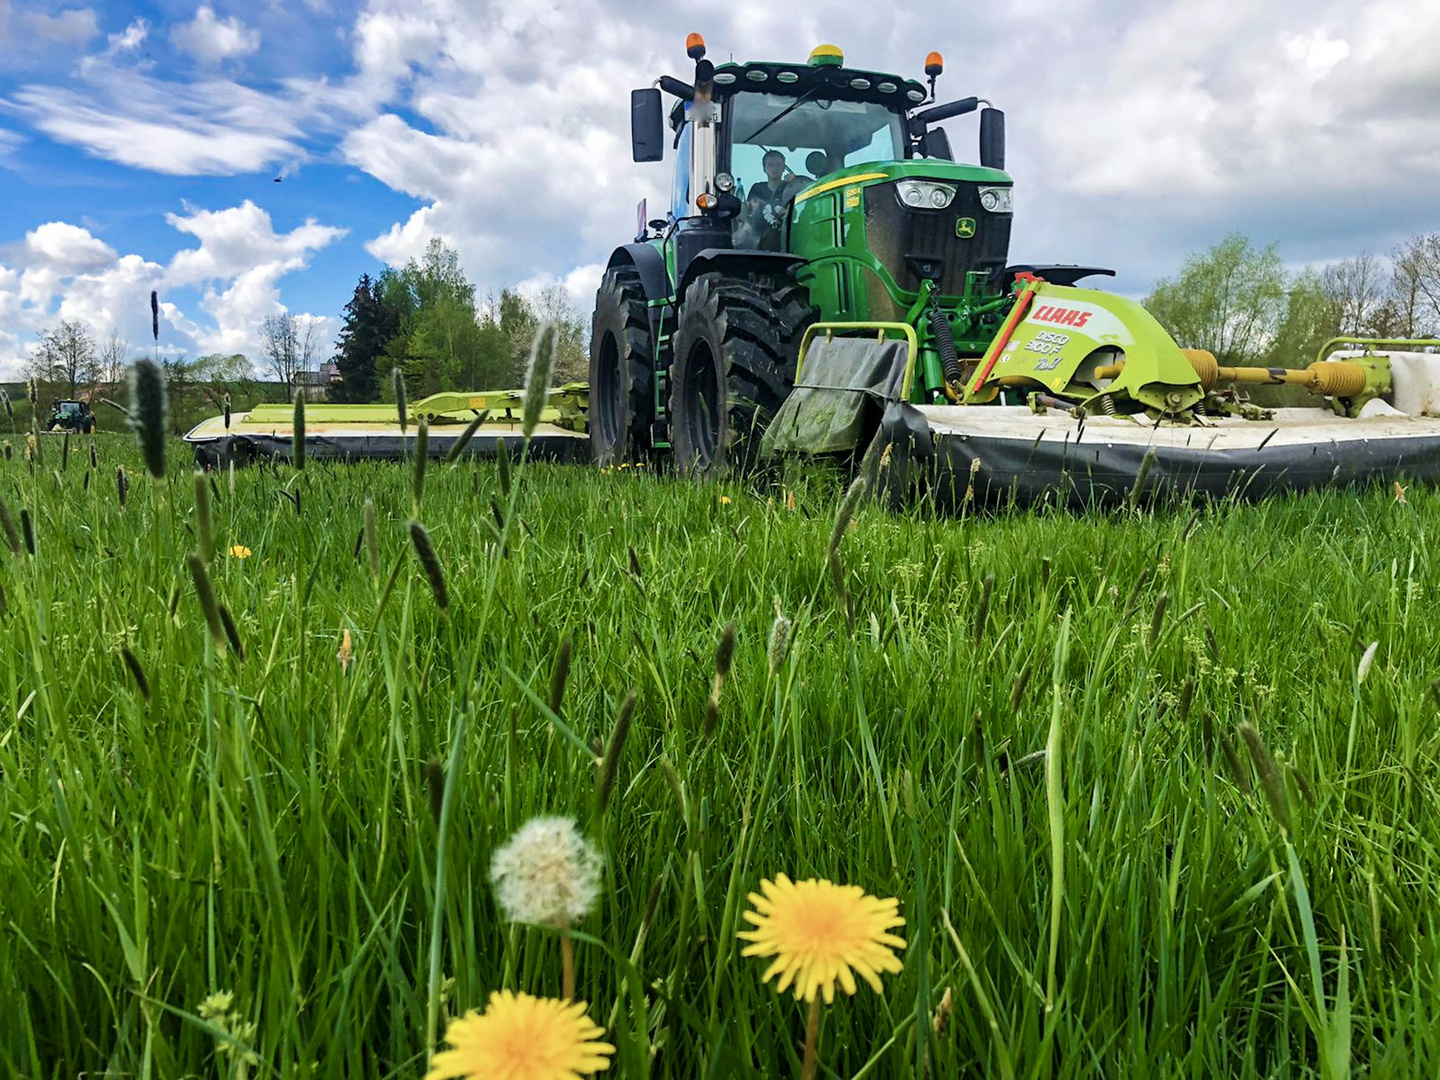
x,y
826,56
694,46
934,64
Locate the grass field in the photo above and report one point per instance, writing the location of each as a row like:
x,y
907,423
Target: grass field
x,y
1161,894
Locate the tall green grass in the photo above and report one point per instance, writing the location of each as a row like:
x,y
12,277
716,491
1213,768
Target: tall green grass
x,y
1031,738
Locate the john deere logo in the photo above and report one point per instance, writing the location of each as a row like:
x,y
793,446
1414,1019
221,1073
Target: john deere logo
x,y
965,228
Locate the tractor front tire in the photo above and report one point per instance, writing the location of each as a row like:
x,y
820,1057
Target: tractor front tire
x,y
622,402
734,355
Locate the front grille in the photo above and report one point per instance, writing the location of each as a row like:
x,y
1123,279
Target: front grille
x,y
894,230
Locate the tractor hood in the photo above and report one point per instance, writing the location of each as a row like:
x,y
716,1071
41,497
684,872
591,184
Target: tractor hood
x,y
950,173
906,221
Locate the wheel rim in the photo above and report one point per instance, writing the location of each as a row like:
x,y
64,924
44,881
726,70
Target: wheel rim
x,y
703,409
609,395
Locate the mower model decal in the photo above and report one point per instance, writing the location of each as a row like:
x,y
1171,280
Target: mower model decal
x,y
965,228
1076,317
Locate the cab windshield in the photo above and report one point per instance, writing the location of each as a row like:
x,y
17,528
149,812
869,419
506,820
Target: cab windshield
x,y
815,137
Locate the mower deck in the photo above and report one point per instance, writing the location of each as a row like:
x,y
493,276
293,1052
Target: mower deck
x,y
1032,457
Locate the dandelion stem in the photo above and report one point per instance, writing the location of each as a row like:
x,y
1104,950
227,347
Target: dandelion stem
x,y
812,1040
567,966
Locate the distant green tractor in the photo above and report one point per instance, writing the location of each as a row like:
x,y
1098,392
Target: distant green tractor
x,y
71,416
803,194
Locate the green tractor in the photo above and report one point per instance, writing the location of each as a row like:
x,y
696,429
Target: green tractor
x,y
807,198
71,415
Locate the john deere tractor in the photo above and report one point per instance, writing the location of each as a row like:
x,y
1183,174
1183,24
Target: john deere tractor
x,y
804,193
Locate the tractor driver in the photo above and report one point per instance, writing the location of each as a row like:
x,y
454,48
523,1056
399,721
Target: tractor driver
x,y
766,202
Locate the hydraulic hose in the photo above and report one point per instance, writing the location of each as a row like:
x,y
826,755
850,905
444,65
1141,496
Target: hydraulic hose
x,y
945,345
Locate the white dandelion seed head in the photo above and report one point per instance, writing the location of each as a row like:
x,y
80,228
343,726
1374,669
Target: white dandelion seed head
x,y
547,874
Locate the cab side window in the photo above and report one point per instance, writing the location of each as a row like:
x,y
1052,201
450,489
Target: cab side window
x,y
680,190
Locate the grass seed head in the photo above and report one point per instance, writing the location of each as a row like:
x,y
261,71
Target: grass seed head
x,y
94,456
27,530
136,672
202,516
149,413
346,653
422,454
1270,778
435,788
982,610
65,453
232,633
226,406
7,524
1365,662
537,376
297,438
206,595
430,563
9,450
1157,620
401,410
458,446
502,463
32,390
9,409
560,674
1017,688
779,639
725,651
609,765
548,874
1238,772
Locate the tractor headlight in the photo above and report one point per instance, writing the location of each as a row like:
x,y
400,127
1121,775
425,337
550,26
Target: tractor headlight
x,y
998,200
724,182
925,194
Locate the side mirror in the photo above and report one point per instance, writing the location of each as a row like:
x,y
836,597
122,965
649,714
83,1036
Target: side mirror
x,y
948,111
647,125
992,138
936,144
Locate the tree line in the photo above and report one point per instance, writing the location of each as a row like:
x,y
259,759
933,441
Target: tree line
x,y
1239,301
425,321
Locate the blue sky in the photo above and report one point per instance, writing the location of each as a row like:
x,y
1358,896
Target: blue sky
x,y
139,142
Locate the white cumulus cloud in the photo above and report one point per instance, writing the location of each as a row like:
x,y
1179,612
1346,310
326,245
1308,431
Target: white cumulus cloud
x,y
212,40
63,271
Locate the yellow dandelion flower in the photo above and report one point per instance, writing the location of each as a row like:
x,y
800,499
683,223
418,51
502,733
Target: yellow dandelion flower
x,y
240,551
725,500
1399,493
820,933
520,1037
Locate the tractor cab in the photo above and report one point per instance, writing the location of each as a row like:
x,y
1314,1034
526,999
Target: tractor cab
x,y
755,142
71,415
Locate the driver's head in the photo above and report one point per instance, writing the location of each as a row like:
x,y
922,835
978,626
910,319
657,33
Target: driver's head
x,y
774,165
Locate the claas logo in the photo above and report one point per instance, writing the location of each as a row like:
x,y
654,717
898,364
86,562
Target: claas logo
x,y
1049,313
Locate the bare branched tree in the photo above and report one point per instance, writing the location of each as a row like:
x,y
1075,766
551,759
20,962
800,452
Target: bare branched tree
x,y
279,337
1415,286
112,359
1356,288
65,356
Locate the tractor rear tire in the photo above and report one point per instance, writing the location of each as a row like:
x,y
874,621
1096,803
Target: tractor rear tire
x,y
622,396
734,353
